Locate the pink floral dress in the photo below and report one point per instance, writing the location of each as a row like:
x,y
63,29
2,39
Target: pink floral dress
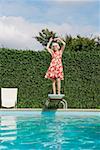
x,y
55,69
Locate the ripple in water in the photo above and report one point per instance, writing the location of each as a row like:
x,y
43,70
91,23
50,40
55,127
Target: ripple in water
x,y
49,132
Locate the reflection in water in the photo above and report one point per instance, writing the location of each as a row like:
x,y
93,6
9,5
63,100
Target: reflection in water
x,y
7,128
54,125
49,130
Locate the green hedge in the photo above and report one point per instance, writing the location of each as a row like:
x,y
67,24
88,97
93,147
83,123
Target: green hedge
x,y
26,69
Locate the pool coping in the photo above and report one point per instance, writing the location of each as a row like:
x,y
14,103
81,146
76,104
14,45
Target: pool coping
x,y
40,109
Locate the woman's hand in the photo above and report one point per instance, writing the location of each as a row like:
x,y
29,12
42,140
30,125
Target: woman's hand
x,y
59,39
51,39
62,41
56,39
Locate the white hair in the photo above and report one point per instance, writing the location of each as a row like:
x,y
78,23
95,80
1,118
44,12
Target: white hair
x,y
55,43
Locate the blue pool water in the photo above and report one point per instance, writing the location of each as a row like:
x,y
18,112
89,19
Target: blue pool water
x,y
36,130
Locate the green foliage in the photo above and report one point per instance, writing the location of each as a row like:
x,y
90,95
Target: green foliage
x,y
82,44
98,107
44,36
26,70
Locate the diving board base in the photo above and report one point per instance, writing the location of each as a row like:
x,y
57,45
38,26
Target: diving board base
x,y
58,98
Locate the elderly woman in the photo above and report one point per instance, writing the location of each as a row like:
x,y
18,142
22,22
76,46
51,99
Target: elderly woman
x,y
55,70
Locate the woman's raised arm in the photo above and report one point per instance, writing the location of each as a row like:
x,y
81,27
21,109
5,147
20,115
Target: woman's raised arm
x,y
48,46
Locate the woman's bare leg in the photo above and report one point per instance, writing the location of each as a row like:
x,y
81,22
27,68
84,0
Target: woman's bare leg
x,y
54,86
58,85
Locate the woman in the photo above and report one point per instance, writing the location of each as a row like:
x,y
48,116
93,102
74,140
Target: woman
x,y
55,70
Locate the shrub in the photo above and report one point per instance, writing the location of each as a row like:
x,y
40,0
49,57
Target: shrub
x,y
26,70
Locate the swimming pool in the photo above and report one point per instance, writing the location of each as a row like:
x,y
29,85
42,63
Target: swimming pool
x,y
49,130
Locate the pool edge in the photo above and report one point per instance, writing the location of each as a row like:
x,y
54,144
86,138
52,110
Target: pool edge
x,y
40,109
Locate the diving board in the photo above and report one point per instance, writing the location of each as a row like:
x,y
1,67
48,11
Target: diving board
x,y
56,96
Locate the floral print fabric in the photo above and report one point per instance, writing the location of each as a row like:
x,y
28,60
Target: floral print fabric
x,y
55,69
